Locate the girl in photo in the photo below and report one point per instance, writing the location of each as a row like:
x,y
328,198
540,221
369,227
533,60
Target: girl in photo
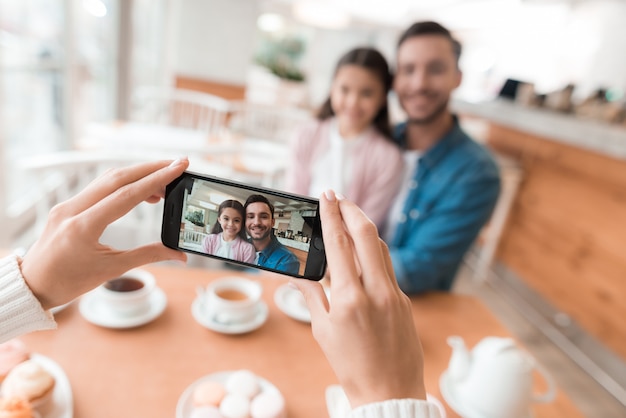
x,y
228,236
349,148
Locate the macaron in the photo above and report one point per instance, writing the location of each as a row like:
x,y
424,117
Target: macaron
x,y
206,412
235,406
31,381
268,404
208,393
16,408
244,383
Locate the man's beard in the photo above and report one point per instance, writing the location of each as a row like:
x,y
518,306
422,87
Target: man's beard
x,y
430,118
262,237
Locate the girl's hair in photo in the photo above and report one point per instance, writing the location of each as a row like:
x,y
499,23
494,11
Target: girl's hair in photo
x,y
372,60
235,204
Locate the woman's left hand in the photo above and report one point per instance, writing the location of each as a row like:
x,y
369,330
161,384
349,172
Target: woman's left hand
x,y
68,259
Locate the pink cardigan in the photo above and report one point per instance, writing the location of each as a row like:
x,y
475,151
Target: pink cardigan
x,y
377,166
241,250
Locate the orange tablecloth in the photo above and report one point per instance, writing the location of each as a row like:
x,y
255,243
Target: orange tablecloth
x,y
142,372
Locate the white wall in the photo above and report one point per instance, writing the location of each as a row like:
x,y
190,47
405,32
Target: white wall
x,y
328,47
548,43
216,39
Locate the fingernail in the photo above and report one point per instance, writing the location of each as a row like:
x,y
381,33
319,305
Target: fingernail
x,y
340,196
292,285
177,161
330,195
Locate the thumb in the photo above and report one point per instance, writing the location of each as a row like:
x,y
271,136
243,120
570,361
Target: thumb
x,y
314,296
150,253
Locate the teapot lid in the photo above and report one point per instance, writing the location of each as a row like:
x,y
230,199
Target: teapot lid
x,y
505,349
492,345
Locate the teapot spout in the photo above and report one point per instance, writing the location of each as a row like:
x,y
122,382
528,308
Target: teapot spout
x,y
459,365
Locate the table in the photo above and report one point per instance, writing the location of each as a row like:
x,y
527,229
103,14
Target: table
x,y
139,136
142,372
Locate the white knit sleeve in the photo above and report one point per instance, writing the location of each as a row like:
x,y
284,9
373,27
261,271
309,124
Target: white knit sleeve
x,y
397,408
20,311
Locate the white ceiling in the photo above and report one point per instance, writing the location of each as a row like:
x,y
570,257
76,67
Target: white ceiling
x,y
455,14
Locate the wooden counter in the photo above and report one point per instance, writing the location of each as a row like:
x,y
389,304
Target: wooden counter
x,y
566,232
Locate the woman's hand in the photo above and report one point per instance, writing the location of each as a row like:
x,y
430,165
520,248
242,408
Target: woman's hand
x,y
367,333
68,259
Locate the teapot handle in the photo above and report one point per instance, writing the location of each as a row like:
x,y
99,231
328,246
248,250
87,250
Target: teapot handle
x,y
550,393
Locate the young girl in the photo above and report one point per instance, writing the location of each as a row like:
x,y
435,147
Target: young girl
x,y
348,148
228,236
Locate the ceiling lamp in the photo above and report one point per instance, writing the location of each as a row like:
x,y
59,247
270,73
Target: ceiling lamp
x,y
270,22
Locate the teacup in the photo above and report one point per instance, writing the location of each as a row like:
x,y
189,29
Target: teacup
x,y
128,294
232,300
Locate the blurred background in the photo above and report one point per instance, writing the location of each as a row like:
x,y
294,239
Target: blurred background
x,y
543,86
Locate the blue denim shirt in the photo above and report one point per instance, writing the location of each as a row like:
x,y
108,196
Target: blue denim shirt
x,y
277,256
451,197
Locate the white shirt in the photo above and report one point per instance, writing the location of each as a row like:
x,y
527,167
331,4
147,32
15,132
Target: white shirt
x,y
20,311
225,248
333,169
411,159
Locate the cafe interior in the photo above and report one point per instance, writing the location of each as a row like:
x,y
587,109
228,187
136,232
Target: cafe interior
x,y
90,85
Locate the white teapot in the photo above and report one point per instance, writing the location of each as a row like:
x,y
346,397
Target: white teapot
x,y
494,380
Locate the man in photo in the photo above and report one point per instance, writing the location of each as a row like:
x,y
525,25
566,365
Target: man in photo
x,y
259,224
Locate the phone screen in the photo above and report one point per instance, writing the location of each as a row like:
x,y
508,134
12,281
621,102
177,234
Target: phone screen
x,y
243,224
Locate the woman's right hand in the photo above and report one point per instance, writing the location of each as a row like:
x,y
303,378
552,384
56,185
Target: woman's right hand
x,y
368,334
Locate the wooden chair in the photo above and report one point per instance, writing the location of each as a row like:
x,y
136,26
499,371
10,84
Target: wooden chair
x,y
178,107
263,132
58,176
489,239
273,123
193,240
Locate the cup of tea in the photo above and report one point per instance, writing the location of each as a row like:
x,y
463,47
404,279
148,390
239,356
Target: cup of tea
x,y
128,294
232,300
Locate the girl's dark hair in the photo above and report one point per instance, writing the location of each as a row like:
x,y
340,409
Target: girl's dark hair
x,y
372,60
235,204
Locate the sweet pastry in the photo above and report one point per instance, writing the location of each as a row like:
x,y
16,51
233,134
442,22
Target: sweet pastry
x,y
12,353
204,412
208,393
235,406
29,380
241,395
244,383
268,405
16,408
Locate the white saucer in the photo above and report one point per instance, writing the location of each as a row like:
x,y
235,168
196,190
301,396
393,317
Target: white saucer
x,y
234,328
94,311
290,301
451,398
185,402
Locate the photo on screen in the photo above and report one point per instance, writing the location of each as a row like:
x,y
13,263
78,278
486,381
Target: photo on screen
x,y
293,222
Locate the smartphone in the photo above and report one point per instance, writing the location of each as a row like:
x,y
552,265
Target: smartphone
x,y
243,224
